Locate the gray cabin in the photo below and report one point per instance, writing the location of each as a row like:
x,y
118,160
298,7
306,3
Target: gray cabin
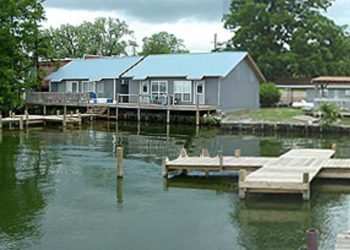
x,y
100,76
330,89
229,80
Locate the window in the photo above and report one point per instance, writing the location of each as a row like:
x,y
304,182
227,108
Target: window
x,y
183,90
159,88
100,89
347,92
88,87
72,87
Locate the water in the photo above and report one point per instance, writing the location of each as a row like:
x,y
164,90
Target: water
x,y
58,191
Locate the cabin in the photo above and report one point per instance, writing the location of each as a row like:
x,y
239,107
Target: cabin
x,y
331,89
229,80
101,76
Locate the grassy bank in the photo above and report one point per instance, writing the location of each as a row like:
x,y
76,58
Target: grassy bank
x,y
265,114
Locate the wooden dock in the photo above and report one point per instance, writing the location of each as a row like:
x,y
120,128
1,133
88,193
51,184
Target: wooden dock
x,y
343,241
26,120
292,172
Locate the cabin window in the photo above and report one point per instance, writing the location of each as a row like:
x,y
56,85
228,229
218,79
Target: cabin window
x,y
88,87
183,90
159,89
72,87
100,89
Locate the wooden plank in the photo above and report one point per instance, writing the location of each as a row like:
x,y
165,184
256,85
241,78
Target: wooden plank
x,y
343,241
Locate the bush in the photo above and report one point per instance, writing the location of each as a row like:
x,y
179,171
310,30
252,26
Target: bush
x,y
330,114
269,94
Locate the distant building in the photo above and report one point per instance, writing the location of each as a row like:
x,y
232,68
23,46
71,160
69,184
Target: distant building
x,y
294,89
227,80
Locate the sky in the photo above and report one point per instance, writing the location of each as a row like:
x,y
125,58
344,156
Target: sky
x,y
194,21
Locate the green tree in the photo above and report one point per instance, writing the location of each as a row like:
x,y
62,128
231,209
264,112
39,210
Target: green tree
x,y
20,49
163,43
269,94
330,114
102,37
289,38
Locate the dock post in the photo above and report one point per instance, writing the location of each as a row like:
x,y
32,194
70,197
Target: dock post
x,y
205,152
26,117
119,190
183,153
221,160
294,146
91,117
21,122
138,114
165,168
116,108
108,113
237,153
71,114
242,176
64,123
80,120
0,121
168,116
306,193
197,118
119,162
44,110
58,113
334,146
311,239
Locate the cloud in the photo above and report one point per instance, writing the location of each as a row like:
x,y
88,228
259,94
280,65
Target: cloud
x,y
151,10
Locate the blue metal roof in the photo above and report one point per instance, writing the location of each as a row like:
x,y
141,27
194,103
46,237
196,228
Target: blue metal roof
x,y
191,66
94,69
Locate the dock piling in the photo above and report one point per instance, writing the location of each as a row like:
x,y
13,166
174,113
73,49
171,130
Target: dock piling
x,y
294,146
0,121
164,167
306,193
221,160
120,162
311,239
26,114
334,146
21,122
183,153
242,176
237,153
205,152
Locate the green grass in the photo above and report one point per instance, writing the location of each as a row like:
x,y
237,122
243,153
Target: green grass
x,y
265,114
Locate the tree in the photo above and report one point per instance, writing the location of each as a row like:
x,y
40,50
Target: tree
x,y
20,49
289,38
330,114
269,94
102,37
163,43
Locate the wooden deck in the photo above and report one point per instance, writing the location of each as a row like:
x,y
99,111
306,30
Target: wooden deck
x,y
292,172
343,241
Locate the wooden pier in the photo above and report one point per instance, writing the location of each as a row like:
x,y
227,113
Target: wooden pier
x,y
27,120
292,172
343,241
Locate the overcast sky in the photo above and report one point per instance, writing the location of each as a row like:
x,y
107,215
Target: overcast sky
x,y
194,21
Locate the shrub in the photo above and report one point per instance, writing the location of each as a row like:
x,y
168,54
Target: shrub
x,y
269,94
330,113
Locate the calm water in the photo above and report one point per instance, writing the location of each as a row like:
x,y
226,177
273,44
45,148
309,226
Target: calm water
x,y
58,191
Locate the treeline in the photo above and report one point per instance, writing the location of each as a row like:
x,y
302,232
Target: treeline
x,y
289,38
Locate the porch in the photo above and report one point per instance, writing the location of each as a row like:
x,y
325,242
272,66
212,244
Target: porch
x,y
135,102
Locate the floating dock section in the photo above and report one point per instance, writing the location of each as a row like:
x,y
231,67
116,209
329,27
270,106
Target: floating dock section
x,y
292,172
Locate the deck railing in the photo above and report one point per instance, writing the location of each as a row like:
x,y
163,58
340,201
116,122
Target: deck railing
x,y
342,103
56,98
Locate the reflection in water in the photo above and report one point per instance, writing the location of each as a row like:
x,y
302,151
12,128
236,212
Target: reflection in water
x,y
58,190
25,171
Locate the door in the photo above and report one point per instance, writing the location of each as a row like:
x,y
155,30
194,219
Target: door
x,y
144,91
199,93
72,87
